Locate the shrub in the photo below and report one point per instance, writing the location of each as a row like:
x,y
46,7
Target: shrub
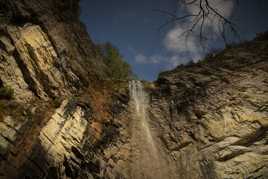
x,y
119,69
57,102
262,36
6,92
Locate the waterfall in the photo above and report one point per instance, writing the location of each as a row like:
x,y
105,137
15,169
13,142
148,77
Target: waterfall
x,y
141,102
147,162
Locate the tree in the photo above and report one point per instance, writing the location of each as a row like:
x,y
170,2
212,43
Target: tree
x,y
118,68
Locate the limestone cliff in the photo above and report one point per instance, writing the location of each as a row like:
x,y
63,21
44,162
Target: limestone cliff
x,y
46,48
53,102
212,116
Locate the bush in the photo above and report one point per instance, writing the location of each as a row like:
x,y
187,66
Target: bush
x,y
6,92
119,69
262,36
57,102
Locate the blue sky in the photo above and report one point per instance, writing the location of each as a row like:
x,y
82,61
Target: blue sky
x,y
132,26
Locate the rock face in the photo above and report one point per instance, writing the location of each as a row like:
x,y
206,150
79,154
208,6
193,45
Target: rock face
x,y
68,141
45,48
55,113
212,116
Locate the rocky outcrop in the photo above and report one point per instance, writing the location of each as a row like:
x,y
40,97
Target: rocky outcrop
x,y
45,50
62,132
36,58
56,114
70,141
212,116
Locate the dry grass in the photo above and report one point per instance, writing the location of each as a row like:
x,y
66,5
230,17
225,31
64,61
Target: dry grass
x,y
100,98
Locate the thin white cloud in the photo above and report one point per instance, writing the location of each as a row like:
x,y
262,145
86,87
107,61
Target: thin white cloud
x,y
167,62
153,59
140,58
177,43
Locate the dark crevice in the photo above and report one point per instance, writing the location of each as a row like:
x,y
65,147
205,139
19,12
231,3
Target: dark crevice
x,y
38,166
1,83
252,138
26,74
23,68
230,156
43,78
208,169
19,21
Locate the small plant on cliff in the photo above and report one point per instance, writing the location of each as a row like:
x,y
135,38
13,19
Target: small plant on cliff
x,y
118,68
6,92
56,102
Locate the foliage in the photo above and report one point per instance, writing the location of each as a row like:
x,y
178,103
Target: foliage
x,y
56,102
118,68
262,36
6,92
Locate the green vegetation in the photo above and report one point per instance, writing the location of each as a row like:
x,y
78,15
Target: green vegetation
x,y
6,92
119,87
148,86
118,69
56,102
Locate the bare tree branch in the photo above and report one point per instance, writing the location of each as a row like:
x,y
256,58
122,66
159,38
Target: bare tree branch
x,y
199,20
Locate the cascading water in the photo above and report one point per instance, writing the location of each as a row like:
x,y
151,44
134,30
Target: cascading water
x,y
146,160
140,99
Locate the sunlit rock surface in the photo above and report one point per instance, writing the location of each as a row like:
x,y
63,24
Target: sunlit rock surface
x,y
36,57
63,132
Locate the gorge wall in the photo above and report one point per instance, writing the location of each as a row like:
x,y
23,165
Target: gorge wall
x,y
64,119
61,106
212,116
